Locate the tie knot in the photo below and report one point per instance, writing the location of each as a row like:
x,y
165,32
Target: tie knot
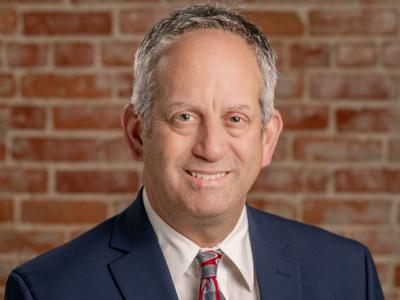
x,y
209,261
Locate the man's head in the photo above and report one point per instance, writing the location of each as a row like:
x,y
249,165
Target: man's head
x,y
207,134
189,19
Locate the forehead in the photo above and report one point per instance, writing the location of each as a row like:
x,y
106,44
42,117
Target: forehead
x,y
211,63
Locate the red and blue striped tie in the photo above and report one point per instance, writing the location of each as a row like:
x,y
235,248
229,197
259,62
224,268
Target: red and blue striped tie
x,y
209,289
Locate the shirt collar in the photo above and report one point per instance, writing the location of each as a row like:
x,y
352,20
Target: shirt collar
x,y
180,252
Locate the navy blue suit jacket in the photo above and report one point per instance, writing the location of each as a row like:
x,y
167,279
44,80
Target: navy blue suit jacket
x,y
121,259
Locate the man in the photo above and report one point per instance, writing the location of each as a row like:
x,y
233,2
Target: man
x,y
203,123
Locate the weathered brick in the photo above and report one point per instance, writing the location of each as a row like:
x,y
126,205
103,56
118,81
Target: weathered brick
x,y
289,86
74,54
123,83
334,149
28,241
22,180
63,212
6,265
22,117
97,181
282,208
140,20
380,242
304,117
62,22
394,150
354,22
26,54
117,150
118,53
8,20
356,55
87,117
2,150
358,87
6,210
397,276
56,149
391,54
367,180
309,55
368,119
66,86
291,180
275,23
327,211
7,85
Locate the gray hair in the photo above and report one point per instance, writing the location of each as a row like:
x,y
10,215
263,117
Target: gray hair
x,y
190,18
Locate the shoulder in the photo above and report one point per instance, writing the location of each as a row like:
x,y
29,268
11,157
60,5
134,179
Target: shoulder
x,y
307,241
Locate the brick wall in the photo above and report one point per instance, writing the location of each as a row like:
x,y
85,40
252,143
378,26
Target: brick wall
x,y
65,73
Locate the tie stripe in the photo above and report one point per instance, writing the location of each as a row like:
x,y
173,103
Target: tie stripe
x,y
209,289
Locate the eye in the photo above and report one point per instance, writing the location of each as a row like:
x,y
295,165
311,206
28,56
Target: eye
x,y
235,119
184,117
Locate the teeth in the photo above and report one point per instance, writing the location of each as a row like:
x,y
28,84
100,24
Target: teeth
x,y
207,176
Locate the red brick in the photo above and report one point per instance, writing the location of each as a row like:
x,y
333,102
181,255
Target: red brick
x,y
56,149
367,180
6,210
379,1
66,86
8,20
7,85
22,180
282,149
309,55
28,241
394,150
366,120
140,20
97,181
291,180
354,22
279,49
397,276
30,1
356,55
124,84
380,242
63,212
274,23
391,54
304,117
2,150
22,117
330,212
383,270
87,117
118,53
117,150
113,1
358,87
290,86
333,149
26,54
58,22
282,208
6,266
74,54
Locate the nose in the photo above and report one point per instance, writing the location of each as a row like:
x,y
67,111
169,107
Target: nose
x,y
210,142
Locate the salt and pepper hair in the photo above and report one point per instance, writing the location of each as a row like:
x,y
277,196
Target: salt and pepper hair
x,y
187,19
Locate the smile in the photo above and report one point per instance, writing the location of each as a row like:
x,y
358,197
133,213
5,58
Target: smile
x,y
208,176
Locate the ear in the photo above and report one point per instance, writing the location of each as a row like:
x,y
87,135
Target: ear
x,y
270,137
132,127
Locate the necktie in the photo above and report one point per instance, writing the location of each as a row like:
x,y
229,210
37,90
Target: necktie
x,y
209,289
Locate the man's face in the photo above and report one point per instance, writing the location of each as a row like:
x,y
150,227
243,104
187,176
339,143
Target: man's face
x,y
205,145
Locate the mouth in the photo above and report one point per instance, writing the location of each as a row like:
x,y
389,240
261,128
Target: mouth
x,y
207,176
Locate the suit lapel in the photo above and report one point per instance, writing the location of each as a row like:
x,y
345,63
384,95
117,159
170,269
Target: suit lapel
x,y
278,276
141,272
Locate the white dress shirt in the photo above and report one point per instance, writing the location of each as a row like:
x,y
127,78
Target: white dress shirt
x,y
236,275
